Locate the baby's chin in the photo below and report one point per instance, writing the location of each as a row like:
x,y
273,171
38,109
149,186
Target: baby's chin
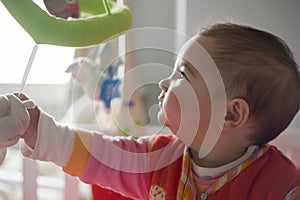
x,y
161,118
163,121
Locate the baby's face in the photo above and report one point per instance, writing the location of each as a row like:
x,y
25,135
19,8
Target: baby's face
x,y
185,100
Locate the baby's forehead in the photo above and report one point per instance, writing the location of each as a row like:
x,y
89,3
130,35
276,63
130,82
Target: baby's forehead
x,y
196,54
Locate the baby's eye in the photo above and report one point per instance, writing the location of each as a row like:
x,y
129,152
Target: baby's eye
x,y
183,76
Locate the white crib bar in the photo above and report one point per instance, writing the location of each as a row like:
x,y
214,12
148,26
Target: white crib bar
x,y
71,188
30,186
30,173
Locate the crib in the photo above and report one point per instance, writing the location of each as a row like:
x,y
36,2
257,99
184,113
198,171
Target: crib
x,y
26,179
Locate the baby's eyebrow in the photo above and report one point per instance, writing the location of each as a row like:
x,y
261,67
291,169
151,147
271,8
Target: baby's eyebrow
x,y
189,67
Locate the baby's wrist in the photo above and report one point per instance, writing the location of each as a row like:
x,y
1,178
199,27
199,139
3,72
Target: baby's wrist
x,y
30,135
52,141
30,139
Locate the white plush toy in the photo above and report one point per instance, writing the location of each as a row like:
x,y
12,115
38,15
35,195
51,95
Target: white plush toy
x,y
14,120
87,74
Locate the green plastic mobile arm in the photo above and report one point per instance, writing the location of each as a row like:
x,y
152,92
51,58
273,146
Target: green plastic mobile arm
x,y
48,29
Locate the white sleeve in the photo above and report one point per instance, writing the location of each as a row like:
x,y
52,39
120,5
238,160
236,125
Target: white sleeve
x,y
54,141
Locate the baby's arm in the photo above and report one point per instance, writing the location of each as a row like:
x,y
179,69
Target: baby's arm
x,y
119,163
91,157
45,139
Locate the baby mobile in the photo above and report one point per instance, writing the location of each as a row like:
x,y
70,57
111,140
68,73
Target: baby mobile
x,y
100,82
110,20
106,20
64,28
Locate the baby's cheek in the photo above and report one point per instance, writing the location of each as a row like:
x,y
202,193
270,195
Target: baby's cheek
x,y
186,99
172,106
188,111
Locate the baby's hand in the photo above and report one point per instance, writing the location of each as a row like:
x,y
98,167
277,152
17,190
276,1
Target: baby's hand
x,y
14,119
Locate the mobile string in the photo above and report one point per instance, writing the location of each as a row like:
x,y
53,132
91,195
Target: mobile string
x,y
28,67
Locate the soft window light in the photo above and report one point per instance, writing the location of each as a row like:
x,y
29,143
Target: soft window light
x,y
49,64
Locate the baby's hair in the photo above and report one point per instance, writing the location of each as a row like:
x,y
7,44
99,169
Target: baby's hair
x,y
260,68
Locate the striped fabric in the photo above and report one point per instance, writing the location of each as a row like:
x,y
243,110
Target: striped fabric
x,y
294,194
186,188
187,185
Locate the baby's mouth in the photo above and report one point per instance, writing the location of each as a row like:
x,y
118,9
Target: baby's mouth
x,y
160,104
161,98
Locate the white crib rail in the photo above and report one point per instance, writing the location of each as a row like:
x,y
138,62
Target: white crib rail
x,y
30,183
30,173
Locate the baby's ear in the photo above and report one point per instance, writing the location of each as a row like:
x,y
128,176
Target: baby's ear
x,y
237,114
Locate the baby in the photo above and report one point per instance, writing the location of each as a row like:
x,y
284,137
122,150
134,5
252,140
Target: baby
x,y
233,89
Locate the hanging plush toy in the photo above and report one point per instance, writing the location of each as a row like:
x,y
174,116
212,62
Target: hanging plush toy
x,y
14,120
99,84
106,20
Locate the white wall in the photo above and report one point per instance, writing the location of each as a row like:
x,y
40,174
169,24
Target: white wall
x,y
153,46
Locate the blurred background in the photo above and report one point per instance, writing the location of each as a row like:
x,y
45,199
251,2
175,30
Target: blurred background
x,y
149,48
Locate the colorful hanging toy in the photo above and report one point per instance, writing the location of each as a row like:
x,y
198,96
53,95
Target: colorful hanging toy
x,y
106,20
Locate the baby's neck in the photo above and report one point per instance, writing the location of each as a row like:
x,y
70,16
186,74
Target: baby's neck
x,y
217,159
214,172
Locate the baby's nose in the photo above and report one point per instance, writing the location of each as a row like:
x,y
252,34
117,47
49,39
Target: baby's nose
x,y
164,84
